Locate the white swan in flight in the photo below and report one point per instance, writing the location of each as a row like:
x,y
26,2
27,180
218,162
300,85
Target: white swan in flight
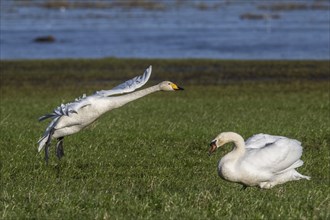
x,y
263,160
72,117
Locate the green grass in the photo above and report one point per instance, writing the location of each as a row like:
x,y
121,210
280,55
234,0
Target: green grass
x,y
148,159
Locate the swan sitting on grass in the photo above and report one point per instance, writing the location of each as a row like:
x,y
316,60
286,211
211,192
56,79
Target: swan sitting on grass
x,y
72,117
263,160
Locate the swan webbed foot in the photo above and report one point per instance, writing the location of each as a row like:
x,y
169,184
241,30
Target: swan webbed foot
x,y
59,148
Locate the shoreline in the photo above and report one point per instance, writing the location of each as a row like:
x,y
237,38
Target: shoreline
x,y
189,71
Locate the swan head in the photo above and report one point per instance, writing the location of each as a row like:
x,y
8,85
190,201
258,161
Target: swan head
x,y
169,86
222,139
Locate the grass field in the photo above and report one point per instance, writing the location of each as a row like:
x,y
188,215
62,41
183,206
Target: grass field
x,y
148,159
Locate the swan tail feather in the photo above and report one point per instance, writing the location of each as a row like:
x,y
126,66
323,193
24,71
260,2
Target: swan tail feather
x,y
299,176
305,177
296,164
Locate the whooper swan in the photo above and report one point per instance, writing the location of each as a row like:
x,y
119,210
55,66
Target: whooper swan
x,y
263,160
72,117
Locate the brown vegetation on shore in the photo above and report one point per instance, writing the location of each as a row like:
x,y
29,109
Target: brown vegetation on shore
x,y
291,6
252,16
128,4
186,71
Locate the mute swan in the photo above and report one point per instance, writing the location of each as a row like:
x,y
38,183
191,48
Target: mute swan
x,y
72,117
263,160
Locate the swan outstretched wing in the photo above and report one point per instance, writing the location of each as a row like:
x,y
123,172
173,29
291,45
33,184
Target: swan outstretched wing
x,y
128,86
73,107
69,108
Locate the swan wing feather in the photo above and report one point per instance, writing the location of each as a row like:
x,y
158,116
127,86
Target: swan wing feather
x,y
275,157
261,140
128,86
47,134
67,109
73,107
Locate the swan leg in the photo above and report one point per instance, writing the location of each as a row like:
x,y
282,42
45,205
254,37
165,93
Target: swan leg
x,y
47,150
59,148
47,145
46,153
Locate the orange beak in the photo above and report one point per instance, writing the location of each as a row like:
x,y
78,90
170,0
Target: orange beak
x,y
213,147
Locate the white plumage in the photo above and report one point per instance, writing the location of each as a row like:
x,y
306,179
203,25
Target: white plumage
x,y
72,117
263,160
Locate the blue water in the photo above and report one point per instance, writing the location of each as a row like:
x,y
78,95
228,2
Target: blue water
x,y
176,32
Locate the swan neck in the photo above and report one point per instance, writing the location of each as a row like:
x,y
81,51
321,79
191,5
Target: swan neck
x,y
239,144
124,99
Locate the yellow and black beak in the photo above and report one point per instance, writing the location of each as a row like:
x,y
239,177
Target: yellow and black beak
x,y
175,87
